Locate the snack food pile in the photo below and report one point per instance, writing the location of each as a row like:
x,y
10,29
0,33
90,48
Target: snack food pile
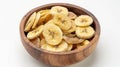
x,y
59,30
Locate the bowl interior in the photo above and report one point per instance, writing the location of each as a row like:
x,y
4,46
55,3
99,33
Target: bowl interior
x,y
76,9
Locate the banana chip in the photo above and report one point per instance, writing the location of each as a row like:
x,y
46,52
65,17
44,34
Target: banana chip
x,y
30,22
85,32
45,16
36,20
83,44
59,10
36,42
83,20
35,33
72,40
72,15
52,34
64,23
72,29
63,46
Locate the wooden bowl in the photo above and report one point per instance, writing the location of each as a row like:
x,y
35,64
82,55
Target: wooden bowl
x,y
60,58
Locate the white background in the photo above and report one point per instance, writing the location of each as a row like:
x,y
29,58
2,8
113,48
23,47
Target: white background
x,y
13,54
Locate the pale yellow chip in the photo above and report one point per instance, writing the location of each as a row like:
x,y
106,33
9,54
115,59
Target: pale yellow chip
x,y
83,44
36,20
72,15
83,20
35,33
30,22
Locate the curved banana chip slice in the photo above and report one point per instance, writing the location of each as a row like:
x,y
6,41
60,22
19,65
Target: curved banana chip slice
x,y
59,10
30,22
72,40
52,34
83,20
35,33
72,15
72,29
63,46
45,16
85,32
36,41
70,46
83,44
36,20
64,23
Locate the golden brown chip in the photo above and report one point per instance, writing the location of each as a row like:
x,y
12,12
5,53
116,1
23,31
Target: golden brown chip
x,y
36,42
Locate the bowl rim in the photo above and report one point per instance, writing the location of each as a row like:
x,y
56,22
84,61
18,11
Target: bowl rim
x,y
23,36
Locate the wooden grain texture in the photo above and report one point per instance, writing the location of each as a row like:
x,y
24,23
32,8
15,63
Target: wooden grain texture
x,y
61,58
